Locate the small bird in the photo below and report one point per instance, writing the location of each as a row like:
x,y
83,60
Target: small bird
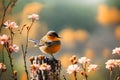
x,y
49,44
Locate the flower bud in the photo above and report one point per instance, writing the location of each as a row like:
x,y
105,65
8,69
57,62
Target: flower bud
x,y
31,59
15,72
41,57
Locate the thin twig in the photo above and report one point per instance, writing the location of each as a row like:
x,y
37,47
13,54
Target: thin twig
x,y
4,14
0,74
11,63
110,74
25,50
85,75
64,77
22,28
2,54
11,36
24,58
75,75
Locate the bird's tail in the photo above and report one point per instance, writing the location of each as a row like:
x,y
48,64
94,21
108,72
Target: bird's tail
x,y
36,43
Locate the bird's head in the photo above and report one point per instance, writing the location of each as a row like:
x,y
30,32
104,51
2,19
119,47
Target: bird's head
x,y
52,35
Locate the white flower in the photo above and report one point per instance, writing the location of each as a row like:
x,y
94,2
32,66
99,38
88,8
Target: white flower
x,y
84,60
33,17
111,64
92,67
10,25
73,68
116,51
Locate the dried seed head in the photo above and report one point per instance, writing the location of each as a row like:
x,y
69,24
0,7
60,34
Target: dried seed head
x,y
82,73
71,60
74,57
31,59
41,57
75,62
15,72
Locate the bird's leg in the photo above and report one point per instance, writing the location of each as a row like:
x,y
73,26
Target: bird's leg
x,y
53,56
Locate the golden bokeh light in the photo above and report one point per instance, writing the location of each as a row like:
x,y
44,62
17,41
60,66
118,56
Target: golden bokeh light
x,y
108,15
89,53
103,14
23,76
81,35
117,32
68,36
106,52
114,15
71,36
65,59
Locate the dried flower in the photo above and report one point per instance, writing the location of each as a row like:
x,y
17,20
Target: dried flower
x,y
75,62
116,51
34,68
82,73
84,60
73,59
73,68
41,57
33,17
44,66
4,39
10,25
31,59
14,48
92,67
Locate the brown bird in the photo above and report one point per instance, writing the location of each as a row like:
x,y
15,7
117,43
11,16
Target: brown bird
x,y
49,44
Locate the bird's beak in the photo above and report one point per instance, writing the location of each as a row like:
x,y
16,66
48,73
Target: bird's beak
x,y
59,37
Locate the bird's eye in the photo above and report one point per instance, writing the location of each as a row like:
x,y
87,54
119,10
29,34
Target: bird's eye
x,y
50,35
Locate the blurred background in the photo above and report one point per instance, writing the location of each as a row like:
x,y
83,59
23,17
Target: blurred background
x,y
88,28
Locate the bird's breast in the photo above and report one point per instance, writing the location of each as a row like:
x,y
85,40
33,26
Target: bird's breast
x,y
50,49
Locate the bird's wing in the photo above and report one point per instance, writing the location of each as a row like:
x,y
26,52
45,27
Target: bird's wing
x,y
49,42
52,43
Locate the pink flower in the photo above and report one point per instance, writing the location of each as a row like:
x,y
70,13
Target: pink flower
x,y
92,67
2,66
84,60
111,64
33,17
44,66
116,51
14,48
73,68
34,68
4,39
10,25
